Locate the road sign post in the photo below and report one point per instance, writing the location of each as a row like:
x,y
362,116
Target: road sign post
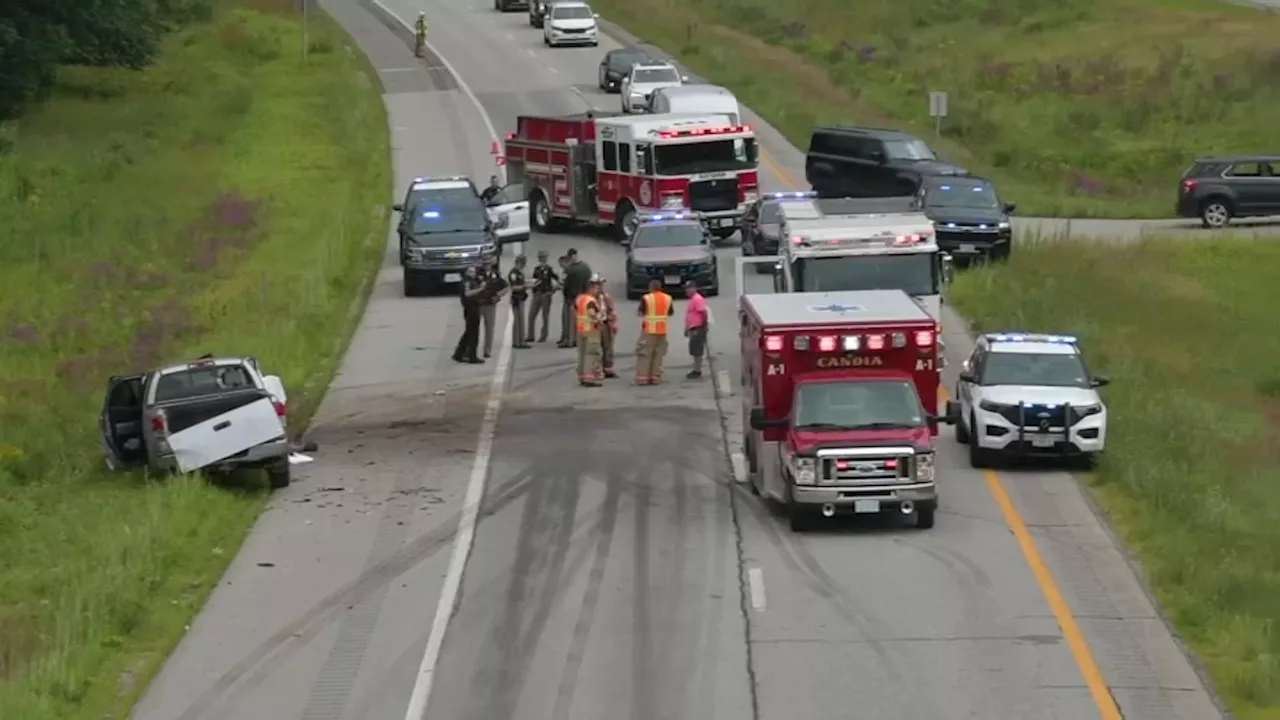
x,y
937,110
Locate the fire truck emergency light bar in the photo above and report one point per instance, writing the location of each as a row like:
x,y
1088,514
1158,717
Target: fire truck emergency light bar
x,y
1032,337
850,343
693,132
894,240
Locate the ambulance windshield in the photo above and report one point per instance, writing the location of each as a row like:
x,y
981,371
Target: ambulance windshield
x,y
916,274
707,156
858,404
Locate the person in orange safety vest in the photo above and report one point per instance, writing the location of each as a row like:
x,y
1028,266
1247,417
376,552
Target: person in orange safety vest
x,y
590,316
656,308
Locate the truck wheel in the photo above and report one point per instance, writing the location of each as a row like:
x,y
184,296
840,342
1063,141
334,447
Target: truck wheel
x,y
624,227
415,283
924,517
962,433
978,457
799,517
278,475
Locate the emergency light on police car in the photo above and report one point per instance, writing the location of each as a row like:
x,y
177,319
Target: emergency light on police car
x,y
802,195
850,343
1033,337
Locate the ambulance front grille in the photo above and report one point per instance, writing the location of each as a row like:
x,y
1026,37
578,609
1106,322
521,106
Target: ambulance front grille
x,y
889,465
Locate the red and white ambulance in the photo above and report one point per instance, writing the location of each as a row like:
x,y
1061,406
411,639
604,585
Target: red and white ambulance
x,y
840,403
607,169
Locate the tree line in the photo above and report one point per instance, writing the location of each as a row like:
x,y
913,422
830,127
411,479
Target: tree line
x,y
36,36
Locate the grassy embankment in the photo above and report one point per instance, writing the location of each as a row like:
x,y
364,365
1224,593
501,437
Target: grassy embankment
x,y
1088,108
1186,330
227,199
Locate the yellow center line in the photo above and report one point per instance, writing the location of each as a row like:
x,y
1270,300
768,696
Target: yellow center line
x,y
1093,679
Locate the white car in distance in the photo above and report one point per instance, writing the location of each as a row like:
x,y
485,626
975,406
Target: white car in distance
x,y
644,79
570,23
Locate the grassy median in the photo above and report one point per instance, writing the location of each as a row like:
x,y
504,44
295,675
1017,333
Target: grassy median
x,y
228,199
1085,108
1186,330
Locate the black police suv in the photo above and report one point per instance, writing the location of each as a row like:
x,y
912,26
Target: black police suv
x,y
442,234
969,218
674,248
1216,189
870,162
615,66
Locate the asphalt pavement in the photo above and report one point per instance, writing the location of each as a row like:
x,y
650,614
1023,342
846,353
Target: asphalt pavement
x,y
495,542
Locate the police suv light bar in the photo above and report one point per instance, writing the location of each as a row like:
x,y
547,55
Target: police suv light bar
x,y
801,195
1032,337
695,132
659,217
439,178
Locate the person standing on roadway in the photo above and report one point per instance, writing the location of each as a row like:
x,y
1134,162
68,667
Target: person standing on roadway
x,y
609,329
420,36
472,288
589,320
576,276
489,193
655,309
519,298
696,319
494,288
545,282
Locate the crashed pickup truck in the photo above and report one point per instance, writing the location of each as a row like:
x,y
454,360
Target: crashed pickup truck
x,y
216,413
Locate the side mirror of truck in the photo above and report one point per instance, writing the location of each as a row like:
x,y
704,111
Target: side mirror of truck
x,y
398,207
1100,381
968,376
760,422
953,413
1009,208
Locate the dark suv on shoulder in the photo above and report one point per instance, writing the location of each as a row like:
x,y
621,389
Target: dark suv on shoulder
x,y
870,162
969,218
1216,189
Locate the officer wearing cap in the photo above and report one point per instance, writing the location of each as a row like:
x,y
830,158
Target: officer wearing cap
x,y
519,298
589,318
545,282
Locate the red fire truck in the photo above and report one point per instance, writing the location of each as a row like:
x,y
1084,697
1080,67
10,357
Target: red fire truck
x,y
604,169
840,403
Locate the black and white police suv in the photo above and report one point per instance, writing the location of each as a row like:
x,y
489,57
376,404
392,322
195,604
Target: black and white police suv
x,y
1029,394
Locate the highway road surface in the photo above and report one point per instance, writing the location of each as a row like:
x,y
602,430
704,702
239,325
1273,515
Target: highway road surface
x,y
494,542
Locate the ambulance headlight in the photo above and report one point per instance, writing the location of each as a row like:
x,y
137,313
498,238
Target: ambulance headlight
x,y
803,470
924,468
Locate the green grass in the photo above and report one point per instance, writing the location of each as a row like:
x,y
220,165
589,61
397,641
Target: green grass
x,y
229,199
1187,332
1088,108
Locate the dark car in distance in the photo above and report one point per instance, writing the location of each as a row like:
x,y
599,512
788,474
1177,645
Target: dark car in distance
x,y
1217,189
970,220
675,249
507,5
855,162
538,12
616,64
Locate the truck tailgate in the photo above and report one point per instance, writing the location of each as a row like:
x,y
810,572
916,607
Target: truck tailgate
x,y
183,414
225,434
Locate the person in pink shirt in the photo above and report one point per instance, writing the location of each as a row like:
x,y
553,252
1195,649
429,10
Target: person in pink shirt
x,y
695,327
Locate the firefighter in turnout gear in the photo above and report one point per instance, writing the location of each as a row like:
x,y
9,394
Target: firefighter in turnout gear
x,y
590,318
420,36
656,308
609,330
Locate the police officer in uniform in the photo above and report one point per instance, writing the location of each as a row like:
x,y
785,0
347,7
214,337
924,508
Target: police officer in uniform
x,y
519,298
609,329
472,288
589,318
545,282
494,288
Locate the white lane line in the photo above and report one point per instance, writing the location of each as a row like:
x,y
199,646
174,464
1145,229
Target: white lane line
x,y
531,52
755,581
739,463
464,539
553,70
722,383
396,70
